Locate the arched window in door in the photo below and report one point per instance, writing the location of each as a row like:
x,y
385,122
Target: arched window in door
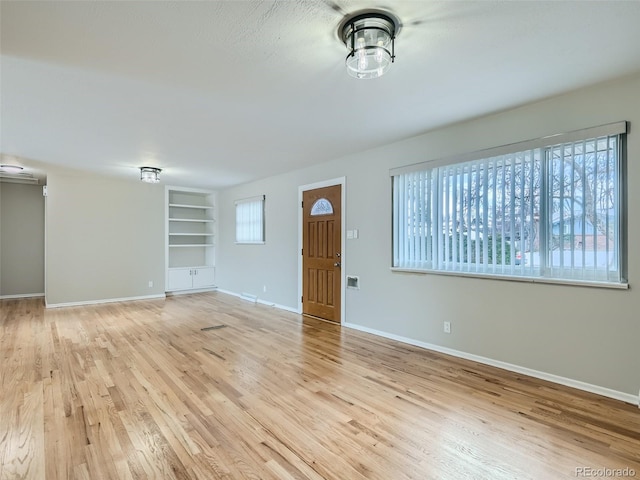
x,y
322,206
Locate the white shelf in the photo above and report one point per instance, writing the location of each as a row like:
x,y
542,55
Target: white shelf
x,y
182,205
193,266
191,234
189,245
199,220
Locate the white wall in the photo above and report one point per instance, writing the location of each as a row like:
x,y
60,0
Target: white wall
x,y
586,334
105,238
21,240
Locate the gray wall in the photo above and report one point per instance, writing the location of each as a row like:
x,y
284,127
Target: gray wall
x,y
21,240
581,333
105,238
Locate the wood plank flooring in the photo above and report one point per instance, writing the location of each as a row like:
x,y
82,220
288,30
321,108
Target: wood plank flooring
x,y
137,390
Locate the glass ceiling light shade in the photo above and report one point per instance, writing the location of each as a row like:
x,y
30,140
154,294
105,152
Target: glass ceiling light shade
x,y
150,174
11,168
370,39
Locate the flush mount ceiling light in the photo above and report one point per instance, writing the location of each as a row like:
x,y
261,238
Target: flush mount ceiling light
x,y
150,174
370,39
11,168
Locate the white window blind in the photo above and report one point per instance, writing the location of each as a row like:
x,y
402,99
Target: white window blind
x,y
552,212
250,220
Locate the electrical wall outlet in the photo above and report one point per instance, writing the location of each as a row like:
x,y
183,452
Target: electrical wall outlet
x,y
447,327
264,289
150,283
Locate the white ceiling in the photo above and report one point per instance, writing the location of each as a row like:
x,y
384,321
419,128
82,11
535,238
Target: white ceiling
x,y
220,93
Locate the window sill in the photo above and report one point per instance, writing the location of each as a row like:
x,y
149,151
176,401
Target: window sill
x,y
557,281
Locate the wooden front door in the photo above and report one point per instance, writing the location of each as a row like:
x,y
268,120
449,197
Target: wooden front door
x,y
321,252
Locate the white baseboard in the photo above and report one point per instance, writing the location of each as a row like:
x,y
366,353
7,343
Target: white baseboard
x,y
260,301
22,295
105,300
569,382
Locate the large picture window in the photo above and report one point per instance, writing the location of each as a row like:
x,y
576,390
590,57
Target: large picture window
x,y
542,210
250,220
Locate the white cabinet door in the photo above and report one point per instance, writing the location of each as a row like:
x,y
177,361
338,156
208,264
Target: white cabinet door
x,y
187,278
180,279
203,277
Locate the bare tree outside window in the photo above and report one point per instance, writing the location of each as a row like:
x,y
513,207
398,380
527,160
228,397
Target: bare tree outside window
x,y
551,211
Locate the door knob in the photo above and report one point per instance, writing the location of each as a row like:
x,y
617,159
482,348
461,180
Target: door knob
x,y
337,264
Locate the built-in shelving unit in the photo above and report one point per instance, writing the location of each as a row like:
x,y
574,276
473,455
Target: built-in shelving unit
x,y
190,239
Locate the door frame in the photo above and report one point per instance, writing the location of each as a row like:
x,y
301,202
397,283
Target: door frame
x,y
342,181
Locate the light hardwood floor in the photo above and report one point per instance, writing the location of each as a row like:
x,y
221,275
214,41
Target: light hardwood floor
x,y
137,390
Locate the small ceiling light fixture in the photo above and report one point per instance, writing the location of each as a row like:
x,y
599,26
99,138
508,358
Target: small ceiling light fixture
x,y
150,174
11,168
370,39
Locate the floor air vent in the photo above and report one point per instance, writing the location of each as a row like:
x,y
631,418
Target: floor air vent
x,y
214,327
